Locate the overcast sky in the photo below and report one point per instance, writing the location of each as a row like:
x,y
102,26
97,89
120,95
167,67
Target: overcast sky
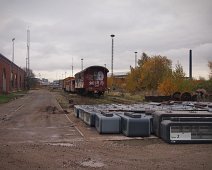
x,y
64,29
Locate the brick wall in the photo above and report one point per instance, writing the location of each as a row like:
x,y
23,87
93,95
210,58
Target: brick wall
x,y
12,77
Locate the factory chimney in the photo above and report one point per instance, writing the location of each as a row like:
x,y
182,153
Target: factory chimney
x,y
190,64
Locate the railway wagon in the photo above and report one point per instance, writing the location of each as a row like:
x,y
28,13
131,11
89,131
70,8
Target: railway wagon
x,y
69,84
92,80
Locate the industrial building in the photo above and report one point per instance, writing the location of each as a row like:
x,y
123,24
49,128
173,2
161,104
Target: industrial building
x,y
12,77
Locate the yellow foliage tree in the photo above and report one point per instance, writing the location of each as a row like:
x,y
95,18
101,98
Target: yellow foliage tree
x,y
167,87
154,71
150,72
109,82
132,80
176,82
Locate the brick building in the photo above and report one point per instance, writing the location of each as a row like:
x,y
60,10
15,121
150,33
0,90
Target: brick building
x,y
12,77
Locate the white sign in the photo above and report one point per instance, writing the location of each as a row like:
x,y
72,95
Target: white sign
x,y
180,136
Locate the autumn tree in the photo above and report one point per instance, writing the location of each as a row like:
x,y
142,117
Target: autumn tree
x,y
133,80
167,86
151,71
109,82
143,59
177,82
154,71
178,76
178,73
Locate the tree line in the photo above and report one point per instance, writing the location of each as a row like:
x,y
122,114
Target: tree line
x,y
154,74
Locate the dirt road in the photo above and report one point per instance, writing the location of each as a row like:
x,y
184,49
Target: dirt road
x,y
36,134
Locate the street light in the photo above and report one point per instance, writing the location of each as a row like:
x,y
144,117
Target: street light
x,y
112,35
13,49
136,59
81,63
11,66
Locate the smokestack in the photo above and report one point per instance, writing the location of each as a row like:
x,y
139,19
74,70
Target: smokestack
x,y
190,64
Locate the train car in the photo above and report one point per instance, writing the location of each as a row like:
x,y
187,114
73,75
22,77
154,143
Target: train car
x,y
92,80
69,84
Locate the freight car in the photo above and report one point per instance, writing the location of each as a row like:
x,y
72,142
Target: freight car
x,y
69,84
92,80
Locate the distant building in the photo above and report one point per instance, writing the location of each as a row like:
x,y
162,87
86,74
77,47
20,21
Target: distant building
x,y
55,84
119,75
12,77
44,82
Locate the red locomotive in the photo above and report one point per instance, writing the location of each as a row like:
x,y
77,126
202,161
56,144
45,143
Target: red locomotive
x,y
92,80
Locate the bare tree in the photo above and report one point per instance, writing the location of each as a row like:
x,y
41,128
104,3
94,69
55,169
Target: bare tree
x,y
210,67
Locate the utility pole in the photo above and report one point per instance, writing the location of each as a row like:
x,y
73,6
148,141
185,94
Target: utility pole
x,y
26,64
112,35
28,53
81,63
136,59
72,68
13,40
190,64
11,66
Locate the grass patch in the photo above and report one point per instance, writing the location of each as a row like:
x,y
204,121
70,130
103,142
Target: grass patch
x,y
111,98
5,98
136,97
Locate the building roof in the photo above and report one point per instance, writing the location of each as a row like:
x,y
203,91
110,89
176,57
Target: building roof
x,y
9,62
118,74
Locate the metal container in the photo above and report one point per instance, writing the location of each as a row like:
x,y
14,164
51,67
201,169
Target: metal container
x,y
107,123
186,132
76,110
81,113
159,116
135,125
89,117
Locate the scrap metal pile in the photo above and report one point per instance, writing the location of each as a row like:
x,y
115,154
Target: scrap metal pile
x,y
174,122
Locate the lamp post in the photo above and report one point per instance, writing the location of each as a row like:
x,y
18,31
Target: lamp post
x,y
136,59
11,66
81,63
13,49
112,35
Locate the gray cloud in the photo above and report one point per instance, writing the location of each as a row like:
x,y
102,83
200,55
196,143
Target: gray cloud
x,y
62,30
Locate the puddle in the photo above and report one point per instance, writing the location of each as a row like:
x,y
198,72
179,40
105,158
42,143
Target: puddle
x,y
55,136
93,164
52,127
61,144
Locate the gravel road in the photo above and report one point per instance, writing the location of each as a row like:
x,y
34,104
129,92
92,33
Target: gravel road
x,y
36,134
